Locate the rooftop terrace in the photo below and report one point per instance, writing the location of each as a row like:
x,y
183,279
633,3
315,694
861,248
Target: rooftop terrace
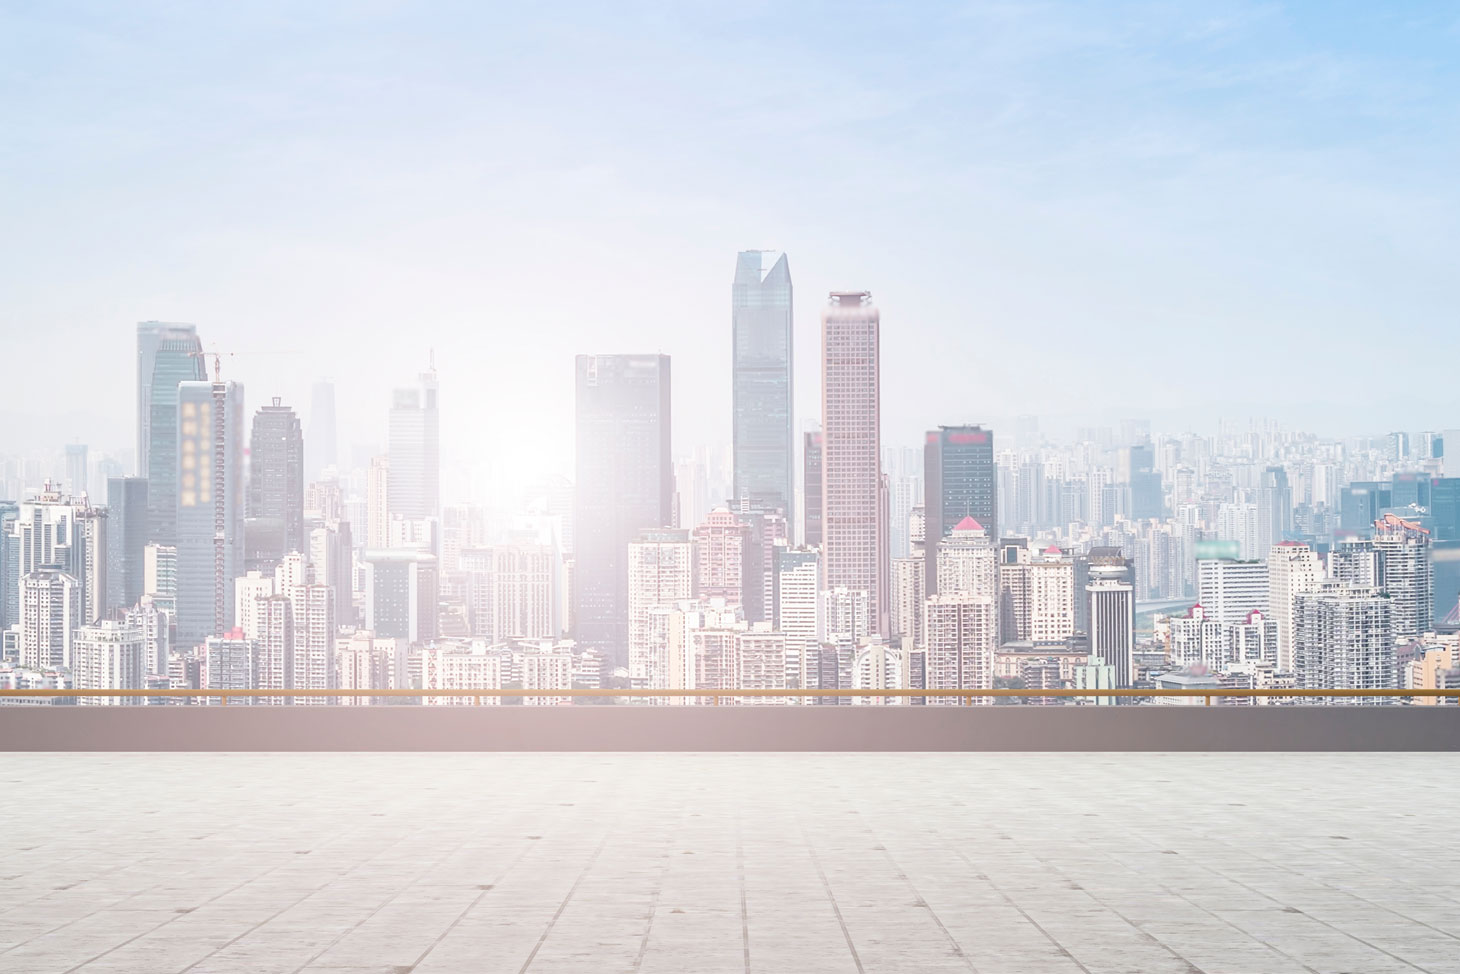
x,y
798,863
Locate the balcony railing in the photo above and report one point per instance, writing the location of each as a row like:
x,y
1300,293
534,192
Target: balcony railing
x,y
715,697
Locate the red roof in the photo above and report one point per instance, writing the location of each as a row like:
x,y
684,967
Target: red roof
x,y
968,524
1053,549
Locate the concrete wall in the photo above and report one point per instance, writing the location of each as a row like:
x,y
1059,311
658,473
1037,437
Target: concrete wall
x,y
624,728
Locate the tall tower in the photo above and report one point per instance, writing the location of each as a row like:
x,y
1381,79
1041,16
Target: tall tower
x,y
764,451
210,507
276,481
167,354
853,529
811,490
126,526
1112,601
324,442
415,451
625,485
76,466
1406,573
959,480
1293,568
661,573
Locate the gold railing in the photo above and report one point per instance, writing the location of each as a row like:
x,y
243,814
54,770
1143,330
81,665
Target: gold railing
x,y
965,696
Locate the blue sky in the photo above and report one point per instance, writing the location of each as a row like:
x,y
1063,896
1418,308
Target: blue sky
x,y
1082,211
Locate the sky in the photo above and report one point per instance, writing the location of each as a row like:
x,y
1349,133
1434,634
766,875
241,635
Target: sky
x,y
1182,211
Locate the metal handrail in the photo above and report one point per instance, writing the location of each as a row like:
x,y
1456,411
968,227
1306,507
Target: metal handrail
x,y
734,692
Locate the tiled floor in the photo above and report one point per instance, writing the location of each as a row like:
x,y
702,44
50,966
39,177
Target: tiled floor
x,y
388,863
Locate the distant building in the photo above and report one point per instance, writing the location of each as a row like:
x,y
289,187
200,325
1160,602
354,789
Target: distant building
x,y
109,655
50,614
168,354
624,486
401,595
662,571
762,344
1292,569
1229,590
321,450
811,459
960,481
210,507
1111,599
723,547
276,480
854,528
126,529
1344,640
961,635
414,479
1406,573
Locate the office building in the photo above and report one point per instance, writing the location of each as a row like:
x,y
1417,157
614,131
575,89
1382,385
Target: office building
x,y
1362,503
168,354
624,486
126,530
854,526
414,476
812,498
1112,611
401,591
321,450
276,482
723,548
959,481
1293,568
210,507
761,383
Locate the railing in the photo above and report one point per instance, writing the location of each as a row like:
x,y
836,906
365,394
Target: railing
x,y
965,696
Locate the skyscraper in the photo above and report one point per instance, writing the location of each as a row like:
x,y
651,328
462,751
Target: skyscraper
x,y
210,507
1344,640
625,485
723,543
276,482
76,467
126,526
56,530
414,489
1112,602
50,613
167,355
322,449
761,382
811,490
959,481
853,528
662,572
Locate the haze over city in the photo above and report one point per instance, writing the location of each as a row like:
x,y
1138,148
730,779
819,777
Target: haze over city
x,y
1184,212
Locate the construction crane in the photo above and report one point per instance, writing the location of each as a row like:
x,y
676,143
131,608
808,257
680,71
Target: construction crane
x,y
217,361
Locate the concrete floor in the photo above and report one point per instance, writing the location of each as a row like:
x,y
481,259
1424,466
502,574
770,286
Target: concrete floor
x,y
796,863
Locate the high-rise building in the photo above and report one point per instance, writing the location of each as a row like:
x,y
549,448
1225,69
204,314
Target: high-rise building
x,y
908,597
798,584
761,380
274,647
625,485
210,507
961,631
1274,509
1036,595
511,591
811,527
276,479
1293,568
50,614
1228,589
109,655
321,452
414,479
1406,573
331,558
1354,561
966,561
723,546
313,609
401,589
159,576
167,355
1362,503
229,662
1344,640
9,565
377,504
56,530
126,542
1239,522
854,527
662,571
77,481
960,481
1112,608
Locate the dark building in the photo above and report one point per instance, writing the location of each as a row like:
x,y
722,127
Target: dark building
x,y
275,487
1411,489
167,355
126,542
761,376
9,566
625,484
811,490
1445,508
1361,504
959,480
1445,565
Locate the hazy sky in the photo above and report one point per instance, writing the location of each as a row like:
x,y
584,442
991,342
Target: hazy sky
x,y
1175,210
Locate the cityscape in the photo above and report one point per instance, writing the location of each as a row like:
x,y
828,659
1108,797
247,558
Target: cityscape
x,y
236,547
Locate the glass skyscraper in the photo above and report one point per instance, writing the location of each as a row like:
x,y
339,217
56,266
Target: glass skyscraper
x,y
760,303
167,354
959,481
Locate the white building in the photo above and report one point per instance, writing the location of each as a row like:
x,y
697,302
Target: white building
x,y
50,612
1239,523
1229,590
1406,573
109,655
511,591
229,663
846,615
475,666
798,607
1344,640
1037,596
908,594
53,530
961,631
1112,622
966,561
1292,569
662,571
159,575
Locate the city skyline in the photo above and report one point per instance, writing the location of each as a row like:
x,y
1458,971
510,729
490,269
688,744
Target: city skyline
x,y
1014,196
